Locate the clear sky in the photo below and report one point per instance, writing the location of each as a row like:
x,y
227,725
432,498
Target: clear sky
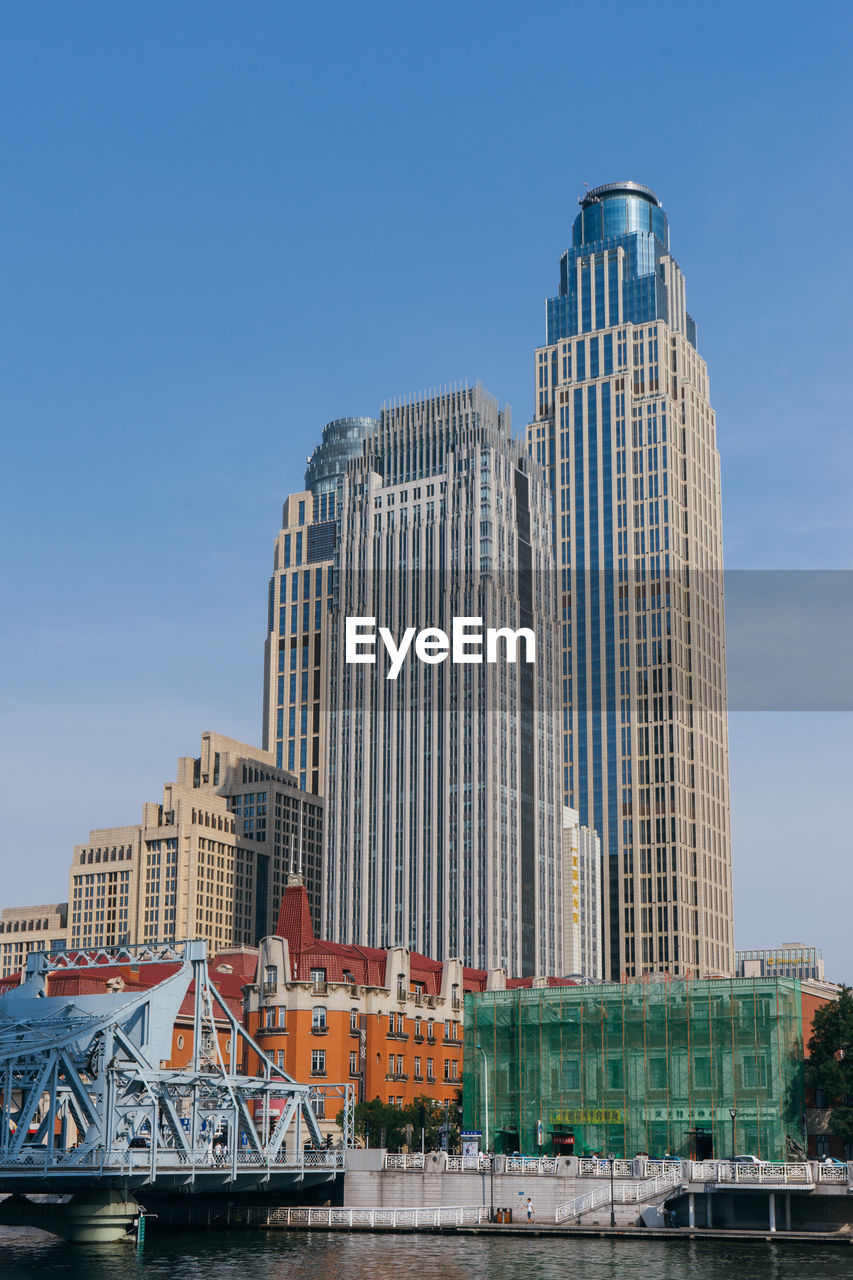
x,y
225,224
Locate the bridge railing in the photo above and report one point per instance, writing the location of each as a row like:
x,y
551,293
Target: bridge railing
x,y
167,1159
452,1216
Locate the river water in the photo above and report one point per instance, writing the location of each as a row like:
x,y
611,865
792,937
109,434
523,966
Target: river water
x,y
279,1255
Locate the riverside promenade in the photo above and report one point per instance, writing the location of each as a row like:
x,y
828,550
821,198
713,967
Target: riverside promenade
x,y
671,1199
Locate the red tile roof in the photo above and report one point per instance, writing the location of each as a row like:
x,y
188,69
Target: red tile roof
x,y
366,965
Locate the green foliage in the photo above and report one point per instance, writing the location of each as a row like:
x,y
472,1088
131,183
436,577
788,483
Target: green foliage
x,y
380,1124
830,1065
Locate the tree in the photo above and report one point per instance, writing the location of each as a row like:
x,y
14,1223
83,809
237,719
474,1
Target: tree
x,y
372,1118
830,1065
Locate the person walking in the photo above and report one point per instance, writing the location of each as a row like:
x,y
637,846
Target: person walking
x,y
529,1208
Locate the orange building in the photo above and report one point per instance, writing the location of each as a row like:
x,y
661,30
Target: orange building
x,y
387,1021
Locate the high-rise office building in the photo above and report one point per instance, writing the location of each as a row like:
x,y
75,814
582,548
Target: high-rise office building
x,y
442,801
581,898
299,601
626,431
210,862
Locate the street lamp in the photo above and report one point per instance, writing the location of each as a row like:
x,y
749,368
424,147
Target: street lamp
x,y
733,1114
480,1049
612,1160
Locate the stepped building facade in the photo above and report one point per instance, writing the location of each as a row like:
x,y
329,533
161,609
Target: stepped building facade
x,y
625,429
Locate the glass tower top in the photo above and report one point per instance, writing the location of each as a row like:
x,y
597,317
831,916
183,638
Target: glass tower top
x,y
619,209
614,272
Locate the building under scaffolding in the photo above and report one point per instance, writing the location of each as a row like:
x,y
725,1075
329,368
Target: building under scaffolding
x,y
645,1066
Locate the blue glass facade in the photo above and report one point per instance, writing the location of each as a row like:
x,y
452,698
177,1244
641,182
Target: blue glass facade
x,y
594,292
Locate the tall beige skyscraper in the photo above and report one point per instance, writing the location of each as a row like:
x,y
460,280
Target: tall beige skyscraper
x,y
625,429
295,710
443,816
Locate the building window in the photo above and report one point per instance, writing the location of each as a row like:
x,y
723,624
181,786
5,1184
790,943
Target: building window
x,y
269,1016
417,1068
180,1042
353,1019
318,979
282,1015
353,1063
318,1062
447,1068
430,1068
318,1018
279,1059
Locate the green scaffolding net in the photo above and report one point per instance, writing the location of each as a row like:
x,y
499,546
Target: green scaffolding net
x,y
653,1067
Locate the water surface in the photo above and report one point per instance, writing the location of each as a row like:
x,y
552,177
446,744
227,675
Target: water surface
x,y
279,1255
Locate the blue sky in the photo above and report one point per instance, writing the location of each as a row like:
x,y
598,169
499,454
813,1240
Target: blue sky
x,y
225,225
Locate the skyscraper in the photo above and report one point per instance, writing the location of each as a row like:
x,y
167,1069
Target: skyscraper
x,y
626,431
443,791
295,713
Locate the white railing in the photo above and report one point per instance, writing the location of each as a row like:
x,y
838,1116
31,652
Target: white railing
x,y
654,1168
831,1172
124,1160
592,1167
582,1204
703,1170
765,1174
530,1164
454,1216
466,1164
623,1193
413,1161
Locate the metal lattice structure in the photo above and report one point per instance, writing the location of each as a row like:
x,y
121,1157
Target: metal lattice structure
x,y
84,1088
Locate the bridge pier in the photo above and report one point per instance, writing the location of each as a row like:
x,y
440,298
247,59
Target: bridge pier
x,y
772,1199
90,1217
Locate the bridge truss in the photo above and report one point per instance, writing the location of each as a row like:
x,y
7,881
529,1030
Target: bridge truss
x,y
85,1091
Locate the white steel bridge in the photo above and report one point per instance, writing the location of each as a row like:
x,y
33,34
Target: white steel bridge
x,y
86,1102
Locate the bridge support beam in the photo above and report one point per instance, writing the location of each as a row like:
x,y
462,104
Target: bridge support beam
x,y
772,1199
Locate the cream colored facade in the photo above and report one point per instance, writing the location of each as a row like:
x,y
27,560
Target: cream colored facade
x,y
581,898
295,712
443,813
295,654
625,427
26,929
209,862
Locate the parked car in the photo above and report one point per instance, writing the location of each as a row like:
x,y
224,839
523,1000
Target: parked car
x,y
747,1160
